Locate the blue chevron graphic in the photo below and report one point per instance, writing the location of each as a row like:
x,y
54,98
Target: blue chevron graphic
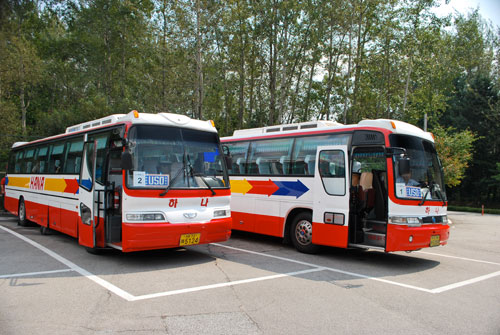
x,y
290,188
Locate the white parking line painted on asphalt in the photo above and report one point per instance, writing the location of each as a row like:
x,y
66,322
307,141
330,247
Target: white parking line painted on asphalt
x,y
465,282
231,283
315,268
29,274
326,268
434,291
456,257
107,285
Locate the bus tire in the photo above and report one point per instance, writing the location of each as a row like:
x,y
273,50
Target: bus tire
x,y
21,214
93,251
44,230
301,233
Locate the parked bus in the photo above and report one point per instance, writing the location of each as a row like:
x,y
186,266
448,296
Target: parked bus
x,y
377,184
131,182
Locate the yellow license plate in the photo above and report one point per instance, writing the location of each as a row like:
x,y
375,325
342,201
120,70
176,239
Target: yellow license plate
x,y
189,239
435,240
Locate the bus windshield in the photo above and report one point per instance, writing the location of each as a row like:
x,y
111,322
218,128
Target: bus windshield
x,y
169,158
425,180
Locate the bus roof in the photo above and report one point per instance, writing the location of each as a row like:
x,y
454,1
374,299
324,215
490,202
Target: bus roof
x,y
395,126
166,119
134,117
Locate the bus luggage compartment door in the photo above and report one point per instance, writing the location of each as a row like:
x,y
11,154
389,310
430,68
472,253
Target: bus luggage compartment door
x,y
331,197
87,209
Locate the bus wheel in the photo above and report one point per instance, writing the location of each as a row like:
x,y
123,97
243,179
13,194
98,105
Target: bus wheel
x,y
44,230
21,214
94,251
301,233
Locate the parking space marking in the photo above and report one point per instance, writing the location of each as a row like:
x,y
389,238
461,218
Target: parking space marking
x,y
433,291
231,283
456,257
116,290
465,282
326,268
29,274
314,268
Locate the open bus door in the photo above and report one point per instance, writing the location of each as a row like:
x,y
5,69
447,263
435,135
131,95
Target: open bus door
x,y
331,197
87,215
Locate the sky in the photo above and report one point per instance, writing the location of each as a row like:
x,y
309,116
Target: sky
x,y
489,9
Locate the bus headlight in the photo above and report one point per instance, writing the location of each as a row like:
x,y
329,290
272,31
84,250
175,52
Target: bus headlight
x,y
145,217
221,213
403,220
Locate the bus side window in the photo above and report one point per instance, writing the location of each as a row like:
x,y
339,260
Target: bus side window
x,y
285,164
19,162
56,156
73,155
264,166
310,164
238,152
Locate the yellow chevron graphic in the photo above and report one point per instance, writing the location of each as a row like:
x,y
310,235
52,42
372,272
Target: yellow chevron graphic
x,y
55,185
240,186
19,182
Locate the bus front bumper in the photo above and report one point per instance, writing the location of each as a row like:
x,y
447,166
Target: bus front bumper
x,y
148,236
407,238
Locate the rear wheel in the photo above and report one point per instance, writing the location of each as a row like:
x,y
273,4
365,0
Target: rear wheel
x,y
301,233
21,213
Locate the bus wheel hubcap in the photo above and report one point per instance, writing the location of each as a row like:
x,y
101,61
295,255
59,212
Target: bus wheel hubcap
x,y
303,232
21,211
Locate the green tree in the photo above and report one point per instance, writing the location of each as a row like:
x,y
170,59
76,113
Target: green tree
x,y
455,151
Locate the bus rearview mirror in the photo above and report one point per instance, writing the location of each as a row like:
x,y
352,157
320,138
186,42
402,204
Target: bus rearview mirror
x,y
126,161
404,165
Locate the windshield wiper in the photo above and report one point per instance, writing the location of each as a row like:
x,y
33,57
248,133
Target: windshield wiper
x,y
440,195
172,181
193,174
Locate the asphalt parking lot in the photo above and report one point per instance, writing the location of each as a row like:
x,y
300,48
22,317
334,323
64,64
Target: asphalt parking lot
x,y
251,285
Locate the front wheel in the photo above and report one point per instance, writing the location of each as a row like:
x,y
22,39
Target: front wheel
x,y
301,233
21,214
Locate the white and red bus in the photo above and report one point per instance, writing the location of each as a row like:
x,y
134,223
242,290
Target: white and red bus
x,y
378,184
132,182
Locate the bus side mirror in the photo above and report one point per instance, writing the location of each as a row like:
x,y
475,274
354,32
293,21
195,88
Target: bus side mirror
x,y
126,161
229,161
404,165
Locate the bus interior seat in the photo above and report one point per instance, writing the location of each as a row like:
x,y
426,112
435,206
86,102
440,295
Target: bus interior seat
x,y
366,194
264,166
285,164
276,168
299,167
366,180
310,164
78,163
241,165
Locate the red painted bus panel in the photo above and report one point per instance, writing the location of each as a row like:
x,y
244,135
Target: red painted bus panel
x,y
398,236
146,236
257,223
330,235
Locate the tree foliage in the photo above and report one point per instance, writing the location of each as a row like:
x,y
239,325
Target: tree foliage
x,y
249,64
455,151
